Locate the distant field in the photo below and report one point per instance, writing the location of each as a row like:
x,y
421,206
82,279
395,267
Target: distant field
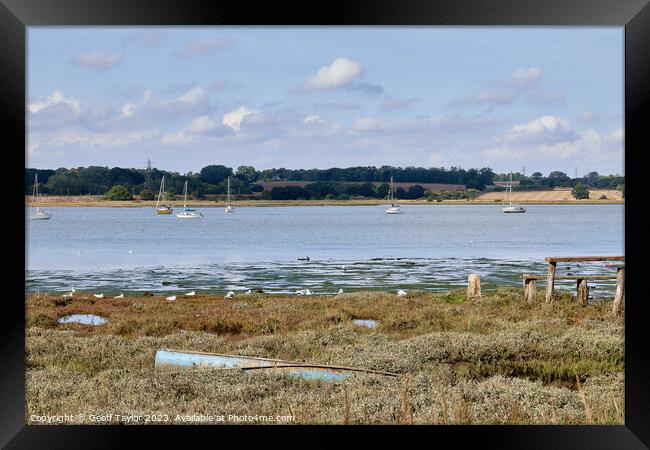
x,y
558,195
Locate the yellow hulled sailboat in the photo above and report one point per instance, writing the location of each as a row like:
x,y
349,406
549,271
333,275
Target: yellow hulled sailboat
x,y
161,208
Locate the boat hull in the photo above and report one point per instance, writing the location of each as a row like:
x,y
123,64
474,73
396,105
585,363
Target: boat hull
x,y
165,211
514,210
40,217
185,359
189,216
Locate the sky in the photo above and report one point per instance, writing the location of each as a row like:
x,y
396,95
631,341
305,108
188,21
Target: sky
x,y
543,98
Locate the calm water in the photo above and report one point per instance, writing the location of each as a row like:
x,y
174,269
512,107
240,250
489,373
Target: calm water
x,y
431,247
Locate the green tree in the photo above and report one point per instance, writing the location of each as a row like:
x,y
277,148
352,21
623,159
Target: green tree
x,y
246,173
580,192
415,192
146,194
119,192
215,174
382,190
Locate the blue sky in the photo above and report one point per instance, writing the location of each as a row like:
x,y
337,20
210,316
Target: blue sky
x,y
547,98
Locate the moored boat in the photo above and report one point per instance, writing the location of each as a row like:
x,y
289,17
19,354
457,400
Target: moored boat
x,y
394,209
161,208
188,213
512,208
39,214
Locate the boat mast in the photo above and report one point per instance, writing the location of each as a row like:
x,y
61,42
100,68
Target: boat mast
x,y
35,193
228,191
510,190
160,191
185,199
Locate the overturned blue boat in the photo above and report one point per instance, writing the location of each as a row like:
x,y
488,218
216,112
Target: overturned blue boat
x,y
188,359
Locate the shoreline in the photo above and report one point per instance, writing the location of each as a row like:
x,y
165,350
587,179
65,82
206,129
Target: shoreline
x,y
458,361
59,202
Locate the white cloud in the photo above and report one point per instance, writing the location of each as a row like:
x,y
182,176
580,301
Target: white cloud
x,y
98,59
525,78
202,125
545,129
193,97
234,118
550,139
57,98
128,110
313,119
340,72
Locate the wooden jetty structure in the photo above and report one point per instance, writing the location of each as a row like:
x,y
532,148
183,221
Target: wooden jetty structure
x,y
323,372
530,285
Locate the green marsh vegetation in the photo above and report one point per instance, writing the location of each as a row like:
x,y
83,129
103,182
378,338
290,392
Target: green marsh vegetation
x,y
493,360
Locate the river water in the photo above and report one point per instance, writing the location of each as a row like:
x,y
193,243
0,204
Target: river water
x,y
430,247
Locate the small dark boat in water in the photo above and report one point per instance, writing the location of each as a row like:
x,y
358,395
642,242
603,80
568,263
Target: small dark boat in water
x,y
188,359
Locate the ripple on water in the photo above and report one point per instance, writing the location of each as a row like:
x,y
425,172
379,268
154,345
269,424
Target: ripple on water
x,y
282,277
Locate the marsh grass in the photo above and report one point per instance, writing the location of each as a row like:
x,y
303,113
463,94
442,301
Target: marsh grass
x,y
488,360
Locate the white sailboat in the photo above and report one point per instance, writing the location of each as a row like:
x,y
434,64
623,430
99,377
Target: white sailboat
x,y
161,208
512,208
394,209
39,214
188,213
229,207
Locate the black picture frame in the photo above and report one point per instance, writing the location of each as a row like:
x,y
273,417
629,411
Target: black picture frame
x,y
634,15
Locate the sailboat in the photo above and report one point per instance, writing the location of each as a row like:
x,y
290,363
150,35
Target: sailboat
x,y
394,209
39,215
229,207
161,208
512,208
188,213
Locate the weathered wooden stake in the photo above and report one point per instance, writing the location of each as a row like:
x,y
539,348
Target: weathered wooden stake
x,y
530,290
583,292
620,291
473,285
550,281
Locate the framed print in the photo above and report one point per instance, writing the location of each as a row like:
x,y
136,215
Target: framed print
x,y
338,219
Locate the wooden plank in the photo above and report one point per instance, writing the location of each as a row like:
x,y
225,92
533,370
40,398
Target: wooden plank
x,y
583,292
620,292
550,281
530,291
473,286
583,258
572,277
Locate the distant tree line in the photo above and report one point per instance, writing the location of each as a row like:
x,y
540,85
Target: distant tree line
x,y
537,181
327,183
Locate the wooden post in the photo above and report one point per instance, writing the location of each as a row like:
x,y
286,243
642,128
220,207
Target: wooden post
x,y
473,285
550,281
583,292
620,291
530,290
